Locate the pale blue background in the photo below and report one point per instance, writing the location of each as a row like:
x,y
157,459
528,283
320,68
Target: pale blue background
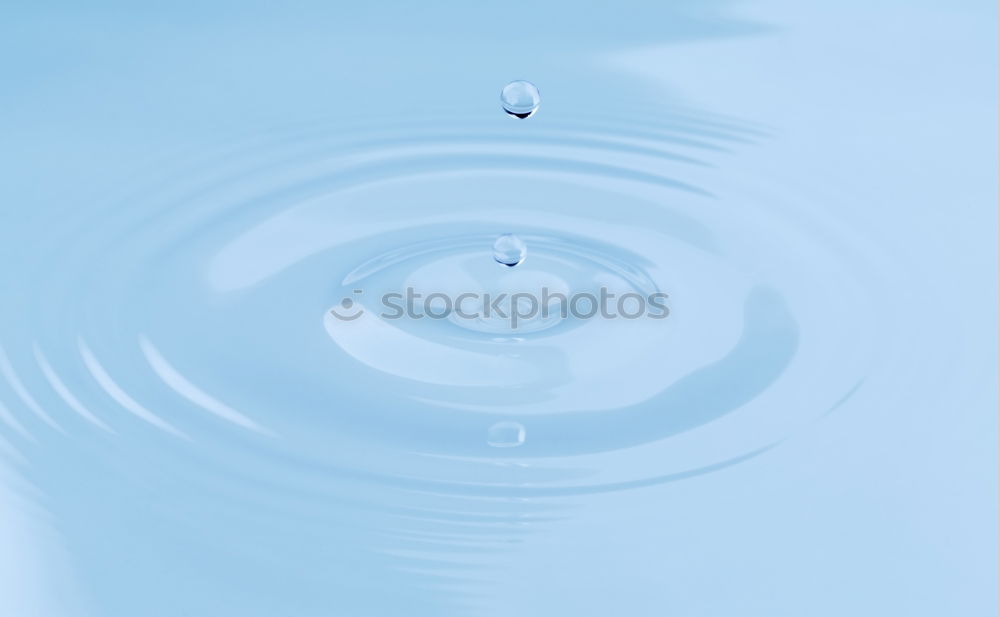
x,y
884,111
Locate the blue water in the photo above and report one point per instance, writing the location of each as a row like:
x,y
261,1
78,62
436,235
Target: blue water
x,y
190,192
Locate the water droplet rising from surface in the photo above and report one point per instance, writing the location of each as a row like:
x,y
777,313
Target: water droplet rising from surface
x,y
506,435
520,98
509,250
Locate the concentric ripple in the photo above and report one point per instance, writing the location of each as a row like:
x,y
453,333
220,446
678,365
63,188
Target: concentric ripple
x,y
199,310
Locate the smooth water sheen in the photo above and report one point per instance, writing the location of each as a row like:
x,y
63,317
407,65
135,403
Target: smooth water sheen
x,y
203,412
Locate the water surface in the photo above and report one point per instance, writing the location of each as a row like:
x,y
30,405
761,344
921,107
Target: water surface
x,y
187,429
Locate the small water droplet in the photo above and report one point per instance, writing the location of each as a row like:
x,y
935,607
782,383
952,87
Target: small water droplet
x,y
506,435
509,250
520,98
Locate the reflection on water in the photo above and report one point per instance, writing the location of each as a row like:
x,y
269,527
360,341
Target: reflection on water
x,y
222,424
202,402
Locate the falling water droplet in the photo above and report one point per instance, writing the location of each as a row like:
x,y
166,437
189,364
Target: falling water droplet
x,y
520,98
506,435
509,250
